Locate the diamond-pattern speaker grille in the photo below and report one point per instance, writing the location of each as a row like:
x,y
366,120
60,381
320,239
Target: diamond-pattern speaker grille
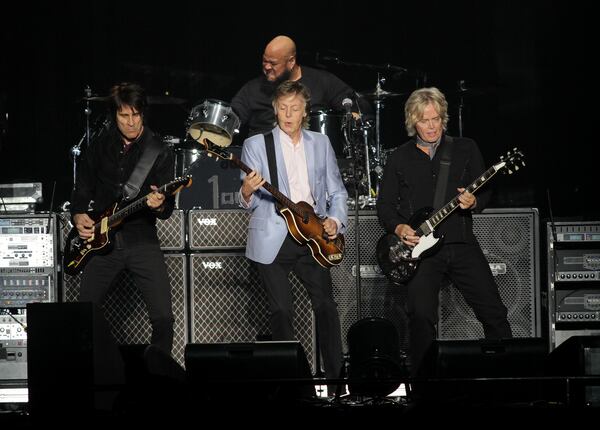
x,y
228,303
171,233
510,244
379,298
218,229
125,309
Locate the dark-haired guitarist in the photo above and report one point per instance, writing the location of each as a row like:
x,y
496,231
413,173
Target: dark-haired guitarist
x,y
107,164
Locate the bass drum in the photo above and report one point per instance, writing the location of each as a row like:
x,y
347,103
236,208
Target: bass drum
x,y
330,123
186,156
215,184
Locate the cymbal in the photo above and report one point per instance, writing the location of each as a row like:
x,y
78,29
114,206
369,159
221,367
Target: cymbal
x,y
165,100
379,94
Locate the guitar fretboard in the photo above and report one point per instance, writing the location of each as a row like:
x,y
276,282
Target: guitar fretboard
x,y
429,225
140,203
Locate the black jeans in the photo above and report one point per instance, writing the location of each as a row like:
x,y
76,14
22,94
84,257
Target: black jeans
x,y
467,267
146,263
317,281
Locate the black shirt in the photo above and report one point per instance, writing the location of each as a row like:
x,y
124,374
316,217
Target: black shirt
x,y
104,168
409,181
253,105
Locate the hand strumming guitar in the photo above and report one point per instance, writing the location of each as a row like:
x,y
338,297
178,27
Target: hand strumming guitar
x,y
84,225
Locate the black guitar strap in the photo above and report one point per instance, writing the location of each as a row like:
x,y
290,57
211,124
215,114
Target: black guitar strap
x,y
270,146
132,188
442,182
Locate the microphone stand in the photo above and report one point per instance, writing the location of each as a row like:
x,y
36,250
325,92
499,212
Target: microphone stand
x,y
355,172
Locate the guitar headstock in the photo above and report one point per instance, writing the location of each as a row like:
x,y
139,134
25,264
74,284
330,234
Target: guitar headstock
x,y
177,185
215,150
512,161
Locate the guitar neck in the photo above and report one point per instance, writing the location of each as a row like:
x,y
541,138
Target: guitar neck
x,y
134,207
281,198
429,225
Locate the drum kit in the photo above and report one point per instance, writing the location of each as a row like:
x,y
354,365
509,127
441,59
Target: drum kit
x,y
357,144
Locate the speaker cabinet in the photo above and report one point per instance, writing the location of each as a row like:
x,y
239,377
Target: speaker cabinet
x,y
126,312
218,229
378,297
171,232
509,239
228,303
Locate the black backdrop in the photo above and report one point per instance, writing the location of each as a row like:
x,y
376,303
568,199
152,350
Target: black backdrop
x,y
528,60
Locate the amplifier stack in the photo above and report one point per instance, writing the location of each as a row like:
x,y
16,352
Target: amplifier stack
x,y
573,280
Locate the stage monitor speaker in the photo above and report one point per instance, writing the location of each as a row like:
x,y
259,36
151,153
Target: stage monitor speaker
x,y
486,370
374,351
578,356
378,297
260,371
74,365
228,303
485,358
126,312
509,239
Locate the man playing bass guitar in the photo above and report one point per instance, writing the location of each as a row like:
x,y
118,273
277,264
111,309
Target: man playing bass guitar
x,y
410,183
107,165
308,176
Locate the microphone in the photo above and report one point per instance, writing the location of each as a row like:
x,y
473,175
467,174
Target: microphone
x,y
347,104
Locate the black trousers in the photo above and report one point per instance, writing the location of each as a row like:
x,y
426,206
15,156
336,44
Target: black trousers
x,y
317,281
146,263
467,267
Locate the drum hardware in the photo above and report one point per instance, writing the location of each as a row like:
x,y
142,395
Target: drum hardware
x,y
87,111
378,96
462,91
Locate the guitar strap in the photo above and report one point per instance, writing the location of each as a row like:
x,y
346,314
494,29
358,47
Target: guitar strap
x,y
270,147
151,150
442,182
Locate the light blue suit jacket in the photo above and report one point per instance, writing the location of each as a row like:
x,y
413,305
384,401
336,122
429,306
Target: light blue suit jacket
x,y
267,229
